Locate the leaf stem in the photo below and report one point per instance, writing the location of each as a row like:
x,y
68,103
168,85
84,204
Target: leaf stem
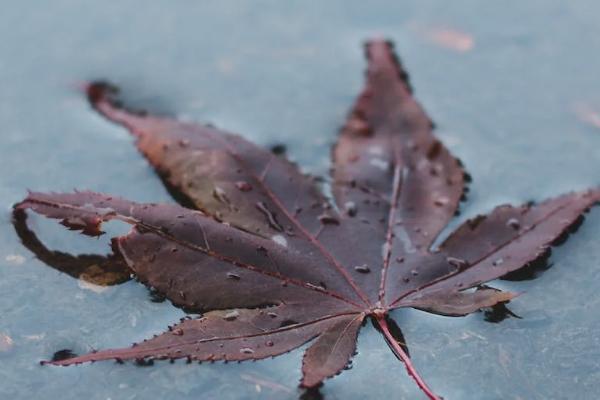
x,y
402,356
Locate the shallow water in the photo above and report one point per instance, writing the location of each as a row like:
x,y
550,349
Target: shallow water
x,y
516,104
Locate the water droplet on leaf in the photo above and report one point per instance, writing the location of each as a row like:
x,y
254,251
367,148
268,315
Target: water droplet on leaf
x,y
498,262
231,315
363,269
513,223
313,286
441,201
351,209
280,240
220,195
327,219
457,263
243,186
233,276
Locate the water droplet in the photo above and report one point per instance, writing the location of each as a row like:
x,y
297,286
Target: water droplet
x,y
177,332
351,209
498,262
231,315
233,276
363,269
414,272
313,286
280,240
399,260
272,315
513,223
269,343
220,195
441,201
380,163
246,350
327,219
457,263
243,186
271,218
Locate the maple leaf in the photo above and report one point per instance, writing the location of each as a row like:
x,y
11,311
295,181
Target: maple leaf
x,y
272,264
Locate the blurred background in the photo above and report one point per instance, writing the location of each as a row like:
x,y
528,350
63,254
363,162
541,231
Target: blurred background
x,y
513,88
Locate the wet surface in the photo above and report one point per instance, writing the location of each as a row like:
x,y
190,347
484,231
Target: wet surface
x,y
514,92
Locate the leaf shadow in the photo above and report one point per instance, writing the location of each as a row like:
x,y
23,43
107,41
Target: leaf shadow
x,y
537,267
395,331
96,269
312,394
498,313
